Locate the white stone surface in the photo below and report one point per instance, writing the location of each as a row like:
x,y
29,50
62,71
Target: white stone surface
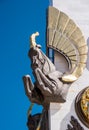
x,y
60,62
60,114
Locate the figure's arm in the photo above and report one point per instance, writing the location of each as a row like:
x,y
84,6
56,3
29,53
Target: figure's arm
x,y
44,81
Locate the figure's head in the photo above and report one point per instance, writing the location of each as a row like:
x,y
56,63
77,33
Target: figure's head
x,y
36,57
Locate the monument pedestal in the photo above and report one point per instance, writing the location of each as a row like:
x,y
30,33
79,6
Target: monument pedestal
x,y
60,114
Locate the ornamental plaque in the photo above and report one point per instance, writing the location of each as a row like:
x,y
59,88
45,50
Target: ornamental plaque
x,y
82,106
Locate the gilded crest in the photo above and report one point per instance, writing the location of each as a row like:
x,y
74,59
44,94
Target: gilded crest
x,y
85,103
82,106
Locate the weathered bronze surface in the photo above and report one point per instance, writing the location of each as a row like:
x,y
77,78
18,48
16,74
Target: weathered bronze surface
x,y
74,124
82,106
66,37
48,86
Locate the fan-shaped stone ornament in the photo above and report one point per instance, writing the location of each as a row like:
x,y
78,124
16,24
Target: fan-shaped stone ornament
x,y
64,36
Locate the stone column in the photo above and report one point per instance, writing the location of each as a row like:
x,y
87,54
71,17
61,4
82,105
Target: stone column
x,y
60,114
54,117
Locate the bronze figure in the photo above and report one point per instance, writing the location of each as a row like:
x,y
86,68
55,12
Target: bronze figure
x,y
48,86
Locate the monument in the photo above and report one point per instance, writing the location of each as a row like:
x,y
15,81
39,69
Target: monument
x,y
63,92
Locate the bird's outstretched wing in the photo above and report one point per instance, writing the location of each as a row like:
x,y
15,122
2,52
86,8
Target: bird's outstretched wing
x,y
64,36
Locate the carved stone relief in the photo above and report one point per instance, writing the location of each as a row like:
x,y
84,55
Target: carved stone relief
x,y
64,36
51,85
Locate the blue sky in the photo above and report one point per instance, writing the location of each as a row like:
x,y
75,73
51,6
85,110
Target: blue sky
x,y
18,20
